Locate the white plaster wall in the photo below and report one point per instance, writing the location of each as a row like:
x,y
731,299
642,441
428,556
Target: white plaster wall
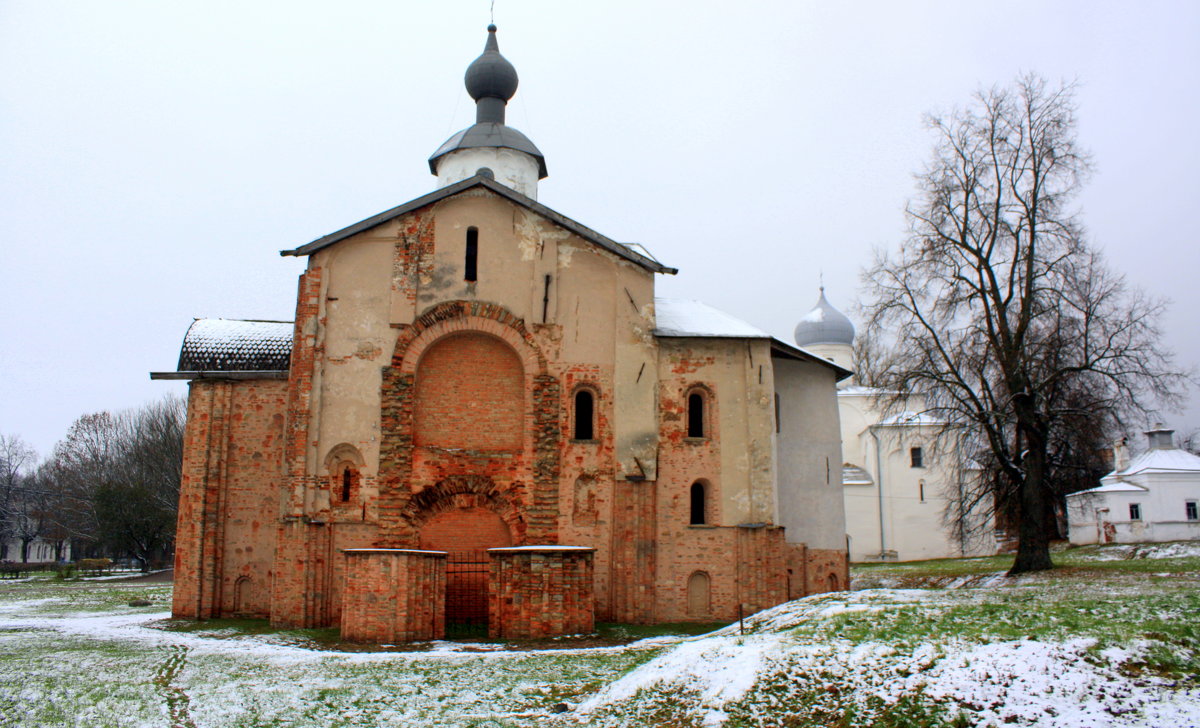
x,y
511,168
1163,506
840,354
912,528
358,343
809,455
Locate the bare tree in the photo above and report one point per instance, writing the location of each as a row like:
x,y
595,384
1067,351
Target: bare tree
x,y
1002,315
15,458
118,478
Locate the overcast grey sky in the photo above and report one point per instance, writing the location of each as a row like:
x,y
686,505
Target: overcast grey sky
x,y
155,156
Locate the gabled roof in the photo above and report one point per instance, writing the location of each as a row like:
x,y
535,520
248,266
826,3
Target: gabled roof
x,y
687,319
1161,460
511,195
1118,487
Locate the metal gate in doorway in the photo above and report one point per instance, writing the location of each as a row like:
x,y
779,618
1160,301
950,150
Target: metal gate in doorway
x,y
467,575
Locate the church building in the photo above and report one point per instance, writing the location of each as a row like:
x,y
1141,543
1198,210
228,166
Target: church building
x,y
482,413
901,475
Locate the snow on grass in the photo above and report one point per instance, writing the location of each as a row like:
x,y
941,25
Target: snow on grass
x,y
793,663
1111,647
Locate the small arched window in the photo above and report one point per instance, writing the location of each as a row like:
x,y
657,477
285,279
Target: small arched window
x,y
695,415
347,482
698,505
585,415
471,265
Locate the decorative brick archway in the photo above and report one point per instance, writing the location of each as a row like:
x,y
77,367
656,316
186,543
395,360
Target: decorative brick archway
x,y
533,482
467,492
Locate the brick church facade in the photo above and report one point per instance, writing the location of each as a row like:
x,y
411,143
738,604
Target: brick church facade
x,y
474,373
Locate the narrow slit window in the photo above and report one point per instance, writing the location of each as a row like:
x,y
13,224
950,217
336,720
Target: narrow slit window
x,y
921,490
347,483
585,415
777,426
472,261
695,421
698,505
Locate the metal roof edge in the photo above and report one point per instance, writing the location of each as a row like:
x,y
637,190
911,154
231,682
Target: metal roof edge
x,y
246,374
786,349
512,195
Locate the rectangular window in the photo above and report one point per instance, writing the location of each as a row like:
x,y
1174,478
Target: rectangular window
x,y
1135,511
777,429
917,456
471,266
1191,511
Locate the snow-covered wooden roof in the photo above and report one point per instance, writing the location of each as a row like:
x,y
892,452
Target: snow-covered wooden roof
x,y
224,345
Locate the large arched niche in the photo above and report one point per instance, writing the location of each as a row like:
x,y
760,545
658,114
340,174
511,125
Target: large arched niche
x,y
470,394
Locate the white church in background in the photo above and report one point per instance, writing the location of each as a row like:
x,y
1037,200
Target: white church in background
x,y
894,480
1155,497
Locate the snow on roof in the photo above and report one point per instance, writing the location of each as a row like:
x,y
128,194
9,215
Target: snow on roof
x,y
910,419
1163,461
854,475
683,317
858,390
221,345
1118,487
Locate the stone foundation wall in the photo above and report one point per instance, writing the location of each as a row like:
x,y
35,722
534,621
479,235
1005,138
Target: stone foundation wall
x,y
540,591
393,595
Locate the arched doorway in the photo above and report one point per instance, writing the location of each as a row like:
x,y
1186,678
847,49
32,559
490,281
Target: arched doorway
x,y
465,533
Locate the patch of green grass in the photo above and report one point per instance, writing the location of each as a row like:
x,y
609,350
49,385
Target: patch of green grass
x,y
631,632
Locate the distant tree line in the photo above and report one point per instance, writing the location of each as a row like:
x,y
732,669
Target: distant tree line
x,y
109,488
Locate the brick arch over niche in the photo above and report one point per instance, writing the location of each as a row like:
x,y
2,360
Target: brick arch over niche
x,y
468,494
466,316
470,395
538,466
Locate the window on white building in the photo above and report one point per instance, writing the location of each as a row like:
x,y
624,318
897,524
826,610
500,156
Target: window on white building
x,y
1191,511
1135,511
917,457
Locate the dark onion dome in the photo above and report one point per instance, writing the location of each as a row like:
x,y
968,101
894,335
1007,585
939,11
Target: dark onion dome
x,y
824,325
491,75
491,80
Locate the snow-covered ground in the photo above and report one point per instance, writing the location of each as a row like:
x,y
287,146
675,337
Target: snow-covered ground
x,y
1065,684
1115,649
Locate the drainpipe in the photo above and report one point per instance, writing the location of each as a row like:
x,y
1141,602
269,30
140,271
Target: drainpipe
x,y
879,489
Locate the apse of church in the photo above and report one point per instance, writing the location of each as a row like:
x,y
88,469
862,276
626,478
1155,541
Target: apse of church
x,y
481,413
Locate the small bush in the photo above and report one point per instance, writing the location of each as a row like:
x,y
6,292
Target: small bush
x,y
94,567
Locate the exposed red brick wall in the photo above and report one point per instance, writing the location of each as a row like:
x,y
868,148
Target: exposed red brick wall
x,y
300,584
823,564
634,553
233,444
393,596
465,529
543,592
470,395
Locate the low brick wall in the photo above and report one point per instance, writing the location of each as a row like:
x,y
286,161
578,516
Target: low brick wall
x,y
540,591
393,595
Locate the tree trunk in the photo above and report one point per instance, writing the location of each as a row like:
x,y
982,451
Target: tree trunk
x,y
1033,537
25,550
